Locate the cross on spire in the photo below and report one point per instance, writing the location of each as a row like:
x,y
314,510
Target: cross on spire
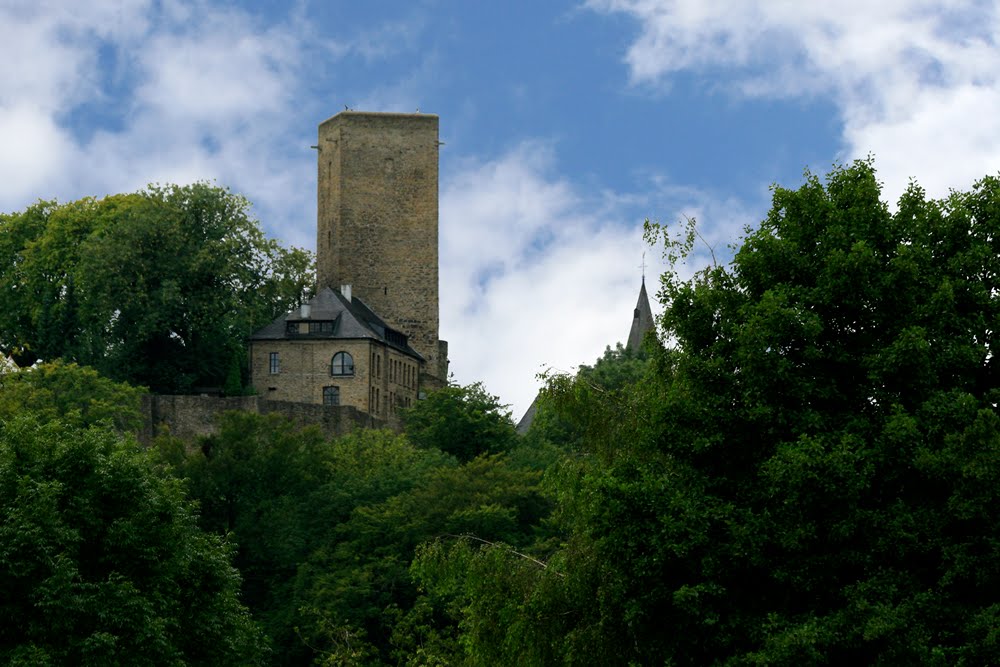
x,y
643,267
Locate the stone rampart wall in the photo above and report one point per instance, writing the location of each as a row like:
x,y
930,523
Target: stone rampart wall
x,y
189,417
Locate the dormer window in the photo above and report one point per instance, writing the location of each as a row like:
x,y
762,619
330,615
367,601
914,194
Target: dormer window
x,y
395,337
292,328
321,327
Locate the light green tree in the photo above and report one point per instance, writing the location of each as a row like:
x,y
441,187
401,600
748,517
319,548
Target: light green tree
x,y
69,393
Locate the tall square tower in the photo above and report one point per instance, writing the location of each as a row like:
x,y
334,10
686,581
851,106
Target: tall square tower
x,y
378,220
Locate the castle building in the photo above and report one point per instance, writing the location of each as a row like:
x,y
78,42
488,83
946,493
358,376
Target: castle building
x,y
369,338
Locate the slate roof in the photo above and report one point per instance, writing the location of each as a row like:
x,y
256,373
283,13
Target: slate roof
x,y
642,320
351,320
528,418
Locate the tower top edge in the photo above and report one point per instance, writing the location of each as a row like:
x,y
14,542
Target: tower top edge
x,y
388,115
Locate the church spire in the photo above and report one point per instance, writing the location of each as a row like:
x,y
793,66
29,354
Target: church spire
x,y
642,320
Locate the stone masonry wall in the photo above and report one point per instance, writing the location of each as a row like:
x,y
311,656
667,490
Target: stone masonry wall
x,y
189,417
305,370
383,381
377,227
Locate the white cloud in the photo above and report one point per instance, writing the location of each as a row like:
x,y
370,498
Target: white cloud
x,y
50,48
34,149
108,96
916,80
219,70
539,273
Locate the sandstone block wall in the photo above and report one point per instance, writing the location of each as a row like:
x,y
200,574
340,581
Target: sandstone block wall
x,y
377,227
305,370
384,379
190,417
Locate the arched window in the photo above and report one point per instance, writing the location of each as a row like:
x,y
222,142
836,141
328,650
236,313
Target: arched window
x,y
342,364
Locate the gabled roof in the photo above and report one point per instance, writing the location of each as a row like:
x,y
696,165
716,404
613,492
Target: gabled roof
x,y
642,320
351,320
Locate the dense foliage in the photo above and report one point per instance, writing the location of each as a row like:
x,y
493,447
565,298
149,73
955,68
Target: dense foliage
x,y
72,394
810,476
327,530
102,561
159,288
806,473
462,421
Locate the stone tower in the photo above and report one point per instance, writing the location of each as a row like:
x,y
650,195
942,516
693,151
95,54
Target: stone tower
x,y
378,221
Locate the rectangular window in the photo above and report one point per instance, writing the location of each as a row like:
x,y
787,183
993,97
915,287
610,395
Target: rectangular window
x,y
275,363
331,395
291,328
320,327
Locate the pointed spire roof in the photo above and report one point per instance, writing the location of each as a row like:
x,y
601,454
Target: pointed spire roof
x,y
642,320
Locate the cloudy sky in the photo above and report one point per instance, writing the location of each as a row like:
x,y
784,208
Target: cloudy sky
x,y
566,124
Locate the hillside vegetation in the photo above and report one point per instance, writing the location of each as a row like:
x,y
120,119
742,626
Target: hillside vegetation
x,y
806,473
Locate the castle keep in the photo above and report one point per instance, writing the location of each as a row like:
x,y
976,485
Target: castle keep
x,y
369,338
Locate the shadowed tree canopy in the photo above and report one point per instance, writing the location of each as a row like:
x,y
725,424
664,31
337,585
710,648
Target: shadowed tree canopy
x,y
158,288
464,421
102,562
809,476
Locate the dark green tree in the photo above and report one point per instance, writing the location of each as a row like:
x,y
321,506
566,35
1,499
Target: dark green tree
x,y
462,421
282,494
358,581
102,562
810,476
159,288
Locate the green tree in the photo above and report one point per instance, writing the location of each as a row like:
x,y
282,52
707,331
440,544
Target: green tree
x,y
358,582
326,530
556,430
811,474
462,421
256,482
158,288
69,393
281,494
101,561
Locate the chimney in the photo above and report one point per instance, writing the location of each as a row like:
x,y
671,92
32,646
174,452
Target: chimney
x,y
346,291
304,311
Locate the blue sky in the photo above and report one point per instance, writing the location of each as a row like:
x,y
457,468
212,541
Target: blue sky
x,y
565,124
